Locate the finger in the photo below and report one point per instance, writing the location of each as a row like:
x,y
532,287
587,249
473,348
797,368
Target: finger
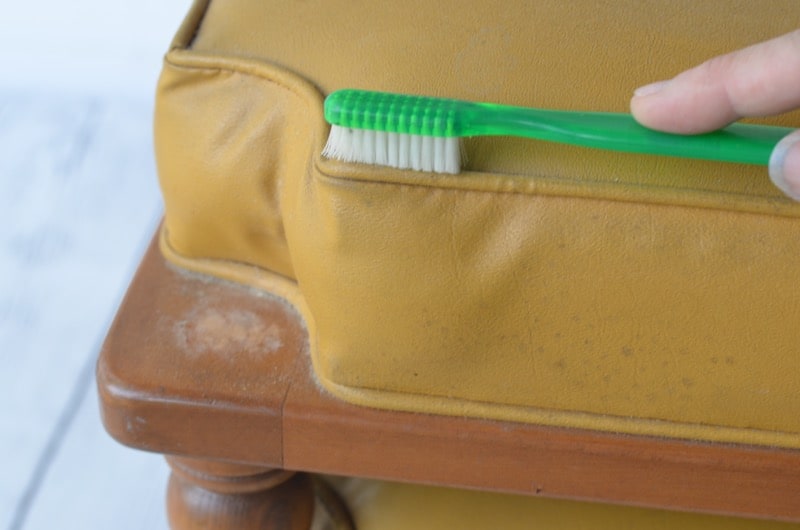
x,y
784,165
761,80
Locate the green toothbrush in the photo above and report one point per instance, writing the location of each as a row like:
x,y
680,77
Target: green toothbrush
x,y
416,132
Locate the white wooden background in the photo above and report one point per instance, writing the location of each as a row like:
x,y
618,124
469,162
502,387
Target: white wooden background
x,y
78,203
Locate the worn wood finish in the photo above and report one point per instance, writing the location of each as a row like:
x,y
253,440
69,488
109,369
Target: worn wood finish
x,y
205,368
199,368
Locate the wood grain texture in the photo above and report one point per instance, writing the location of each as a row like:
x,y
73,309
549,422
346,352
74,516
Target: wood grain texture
x,y
203,393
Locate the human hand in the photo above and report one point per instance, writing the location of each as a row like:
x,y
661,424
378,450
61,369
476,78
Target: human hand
x,y
760,80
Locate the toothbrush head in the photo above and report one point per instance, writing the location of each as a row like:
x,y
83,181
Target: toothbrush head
x,y
395,113
400,131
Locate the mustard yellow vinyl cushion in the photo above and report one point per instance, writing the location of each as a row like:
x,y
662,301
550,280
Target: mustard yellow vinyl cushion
x,y
545,283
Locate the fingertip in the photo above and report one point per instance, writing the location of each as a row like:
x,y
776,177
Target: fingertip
x,y
649,90
644,104
784,165
661,106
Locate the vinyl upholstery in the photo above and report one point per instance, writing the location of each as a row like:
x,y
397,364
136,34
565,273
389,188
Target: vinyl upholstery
x,y
545,283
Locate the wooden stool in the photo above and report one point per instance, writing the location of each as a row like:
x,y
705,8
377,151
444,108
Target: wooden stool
x,y
217,376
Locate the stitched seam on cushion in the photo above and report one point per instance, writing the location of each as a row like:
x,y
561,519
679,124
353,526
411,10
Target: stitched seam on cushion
x,y
767,208
541,185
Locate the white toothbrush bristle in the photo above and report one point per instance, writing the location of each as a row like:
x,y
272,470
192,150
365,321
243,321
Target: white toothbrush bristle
x,y
402,151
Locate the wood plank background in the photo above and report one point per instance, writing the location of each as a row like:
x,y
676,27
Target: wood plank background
x,y
78,203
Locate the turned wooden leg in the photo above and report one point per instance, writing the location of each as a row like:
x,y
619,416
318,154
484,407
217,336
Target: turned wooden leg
x,y
220,496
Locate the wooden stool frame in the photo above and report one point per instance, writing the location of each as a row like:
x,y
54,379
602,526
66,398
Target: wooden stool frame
x,y
217,376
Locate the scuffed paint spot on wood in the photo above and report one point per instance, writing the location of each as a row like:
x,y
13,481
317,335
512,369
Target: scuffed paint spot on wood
x,y
229,332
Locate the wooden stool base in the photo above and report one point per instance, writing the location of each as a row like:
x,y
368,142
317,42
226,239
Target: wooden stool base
x,y
219,496
227,400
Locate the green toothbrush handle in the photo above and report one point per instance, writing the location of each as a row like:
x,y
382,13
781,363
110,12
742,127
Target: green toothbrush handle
x,y
438,117
742,143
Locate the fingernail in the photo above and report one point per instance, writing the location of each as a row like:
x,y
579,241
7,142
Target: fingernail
x,y
784,165
649,90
